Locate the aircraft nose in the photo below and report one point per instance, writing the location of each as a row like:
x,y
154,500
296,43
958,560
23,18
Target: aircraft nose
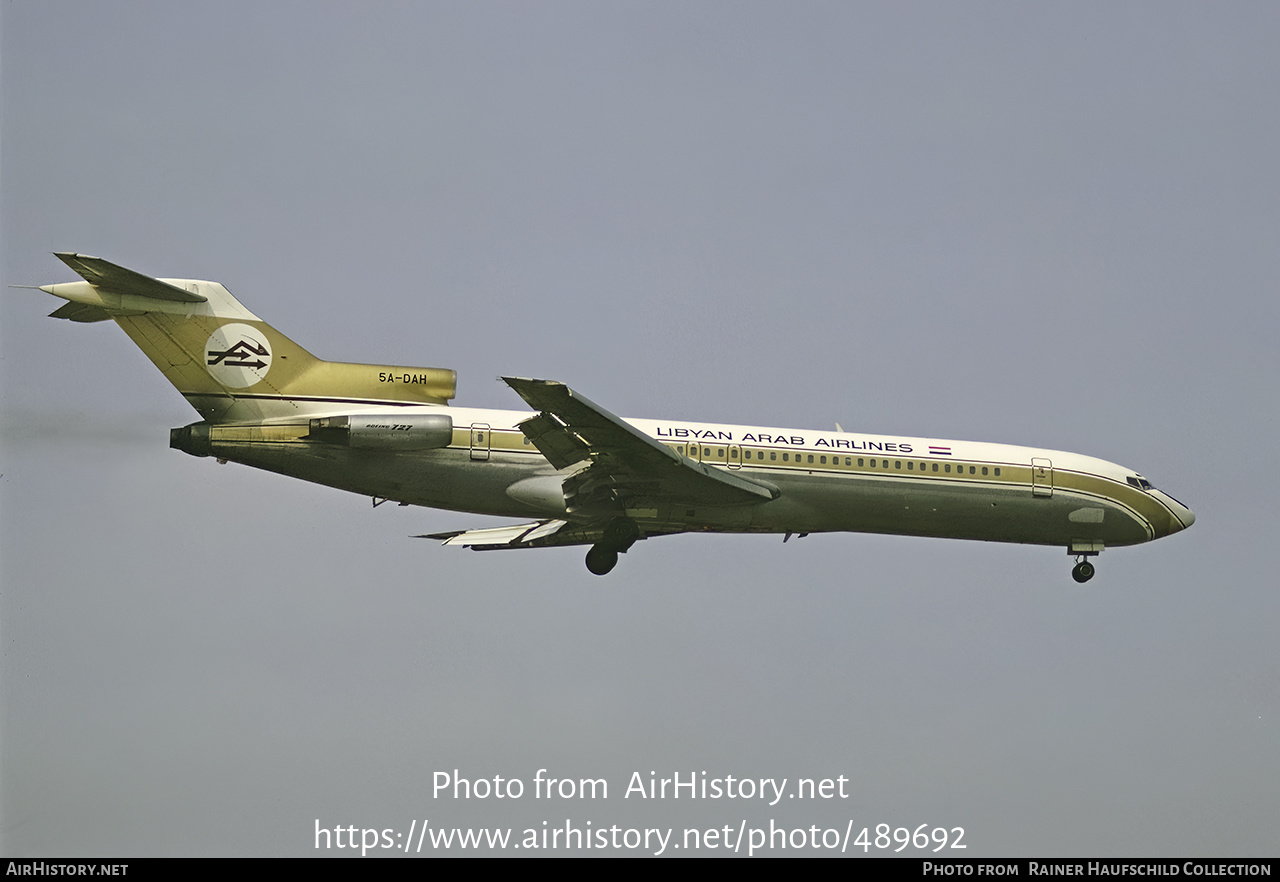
x,y
1183,517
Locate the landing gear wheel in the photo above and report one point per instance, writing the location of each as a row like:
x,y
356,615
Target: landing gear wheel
x,y
1083,571
600,560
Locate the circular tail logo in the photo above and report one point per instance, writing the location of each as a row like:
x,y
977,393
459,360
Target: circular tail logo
x,y
237,355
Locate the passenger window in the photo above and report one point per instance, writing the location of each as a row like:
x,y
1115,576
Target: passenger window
x,y
810,457
773,455
997,471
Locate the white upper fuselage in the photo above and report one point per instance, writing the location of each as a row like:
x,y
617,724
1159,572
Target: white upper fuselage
x,y
828,481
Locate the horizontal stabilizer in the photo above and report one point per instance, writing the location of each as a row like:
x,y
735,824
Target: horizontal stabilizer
x,y
108,276
81,312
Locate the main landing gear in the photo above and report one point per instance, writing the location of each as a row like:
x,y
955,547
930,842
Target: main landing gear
x,y
620,535
601,559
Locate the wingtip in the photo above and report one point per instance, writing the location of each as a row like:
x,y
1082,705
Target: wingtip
x,y
531,381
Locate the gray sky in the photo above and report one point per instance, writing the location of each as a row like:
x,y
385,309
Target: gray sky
x,y
1053,226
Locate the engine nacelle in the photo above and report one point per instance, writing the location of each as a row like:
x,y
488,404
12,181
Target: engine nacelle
x,y
393,431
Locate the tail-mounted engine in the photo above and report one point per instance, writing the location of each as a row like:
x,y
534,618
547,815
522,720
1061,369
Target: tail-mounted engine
x,y
396,431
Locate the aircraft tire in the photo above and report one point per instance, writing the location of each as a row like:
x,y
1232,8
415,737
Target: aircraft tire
x,y
601,560
1083,571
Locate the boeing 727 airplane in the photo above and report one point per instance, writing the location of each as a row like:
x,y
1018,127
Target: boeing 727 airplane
x,y
577,474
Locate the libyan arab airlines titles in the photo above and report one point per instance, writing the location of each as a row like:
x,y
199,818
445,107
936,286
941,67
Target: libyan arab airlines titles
x,y
789,440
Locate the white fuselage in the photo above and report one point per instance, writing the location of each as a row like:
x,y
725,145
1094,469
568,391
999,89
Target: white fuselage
x,y
829,481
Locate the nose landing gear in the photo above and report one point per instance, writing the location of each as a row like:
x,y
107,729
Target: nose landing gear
x,y
1083,549
1083,570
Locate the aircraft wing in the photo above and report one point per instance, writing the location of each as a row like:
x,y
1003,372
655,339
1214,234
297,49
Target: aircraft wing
x,y
627,468
535,535
539,534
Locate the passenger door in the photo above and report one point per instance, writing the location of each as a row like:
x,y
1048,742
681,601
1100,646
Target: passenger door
x,y
1041,477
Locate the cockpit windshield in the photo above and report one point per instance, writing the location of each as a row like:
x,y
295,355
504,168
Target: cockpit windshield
x,y
1140,482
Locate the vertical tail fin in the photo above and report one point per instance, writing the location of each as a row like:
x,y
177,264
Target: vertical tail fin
x,y
229,364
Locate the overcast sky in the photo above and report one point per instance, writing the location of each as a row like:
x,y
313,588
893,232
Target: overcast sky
x,y
1052,225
